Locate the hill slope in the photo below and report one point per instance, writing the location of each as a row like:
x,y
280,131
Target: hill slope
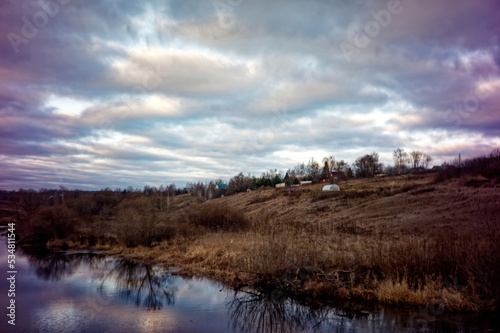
x,y
400,240
405,204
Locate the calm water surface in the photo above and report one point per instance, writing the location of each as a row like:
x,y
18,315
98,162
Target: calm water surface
x,y
75,291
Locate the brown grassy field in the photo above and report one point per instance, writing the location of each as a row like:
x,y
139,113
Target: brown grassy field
x,y
398,240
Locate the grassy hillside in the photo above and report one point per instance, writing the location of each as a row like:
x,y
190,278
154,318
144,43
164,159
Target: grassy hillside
x,y
398,240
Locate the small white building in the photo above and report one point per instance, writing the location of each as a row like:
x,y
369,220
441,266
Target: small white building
x,y
333,188
305,182
280,185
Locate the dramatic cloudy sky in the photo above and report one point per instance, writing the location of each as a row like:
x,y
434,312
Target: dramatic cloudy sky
x,y
117,93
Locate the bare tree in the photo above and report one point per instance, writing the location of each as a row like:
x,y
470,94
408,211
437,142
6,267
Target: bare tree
x,y
31,200
330,161
312,170
300,171
211,190
239,183
85,207
199,190
426,160
326,171
400,160
367,166
419,159
341,166
416,159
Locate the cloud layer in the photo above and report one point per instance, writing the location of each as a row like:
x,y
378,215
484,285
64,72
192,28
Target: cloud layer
x,y
96,94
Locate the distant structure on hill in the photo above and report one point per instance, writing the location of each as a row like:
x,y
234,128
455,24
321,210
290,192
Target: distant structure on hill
x,y
334,176
333,188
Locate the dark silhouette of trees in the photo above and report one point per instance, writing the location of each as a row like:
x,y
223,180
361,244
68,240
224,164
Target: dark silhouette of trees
x,y
239,183
416,159
367,166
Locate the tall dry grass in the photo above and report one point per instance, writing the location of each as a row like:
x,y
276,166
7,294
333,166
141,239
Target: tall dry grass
x,y
303,258
451,271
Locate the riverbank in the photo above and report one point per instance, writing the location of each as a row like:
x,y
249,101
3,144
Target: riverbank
x,y
109,294
404,240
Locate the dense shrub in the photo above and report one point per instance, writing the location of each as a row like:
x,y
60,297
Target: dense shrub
x,y
239,183
85,206
137,223
486,166
219,217
57,222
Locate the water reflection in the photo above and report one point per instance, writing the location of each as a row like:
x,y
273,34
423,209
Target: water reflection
x,y
55,266
148,286
260,312
105,293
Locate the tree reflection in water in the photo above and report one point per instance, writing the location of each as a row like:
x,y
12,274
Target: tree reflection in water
x,y
55,266
261,312
147,286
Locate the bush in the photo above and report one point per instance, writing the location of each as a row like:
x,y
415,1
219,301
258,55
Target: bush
x,y
84,206
137,223
486,166
57,222
239,183
219,217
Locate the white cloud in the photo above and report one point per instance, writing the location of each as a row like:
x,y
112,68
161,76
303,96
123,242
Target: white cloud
x,y
184,71
67,106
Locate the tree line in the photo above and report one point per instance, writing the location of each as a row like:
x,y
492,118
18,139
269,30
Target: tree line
x,y
366,166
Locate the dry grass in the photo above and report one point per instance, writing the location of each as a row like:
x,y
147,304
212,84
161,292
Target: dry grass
x,y
402,240
416,271
324,195
351,257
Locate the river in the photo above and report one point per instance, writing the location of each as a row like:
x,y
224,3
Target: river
x,y
82,291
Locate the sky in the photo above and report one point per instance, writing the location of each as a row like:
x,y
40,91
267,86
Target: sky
x,y
115,93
